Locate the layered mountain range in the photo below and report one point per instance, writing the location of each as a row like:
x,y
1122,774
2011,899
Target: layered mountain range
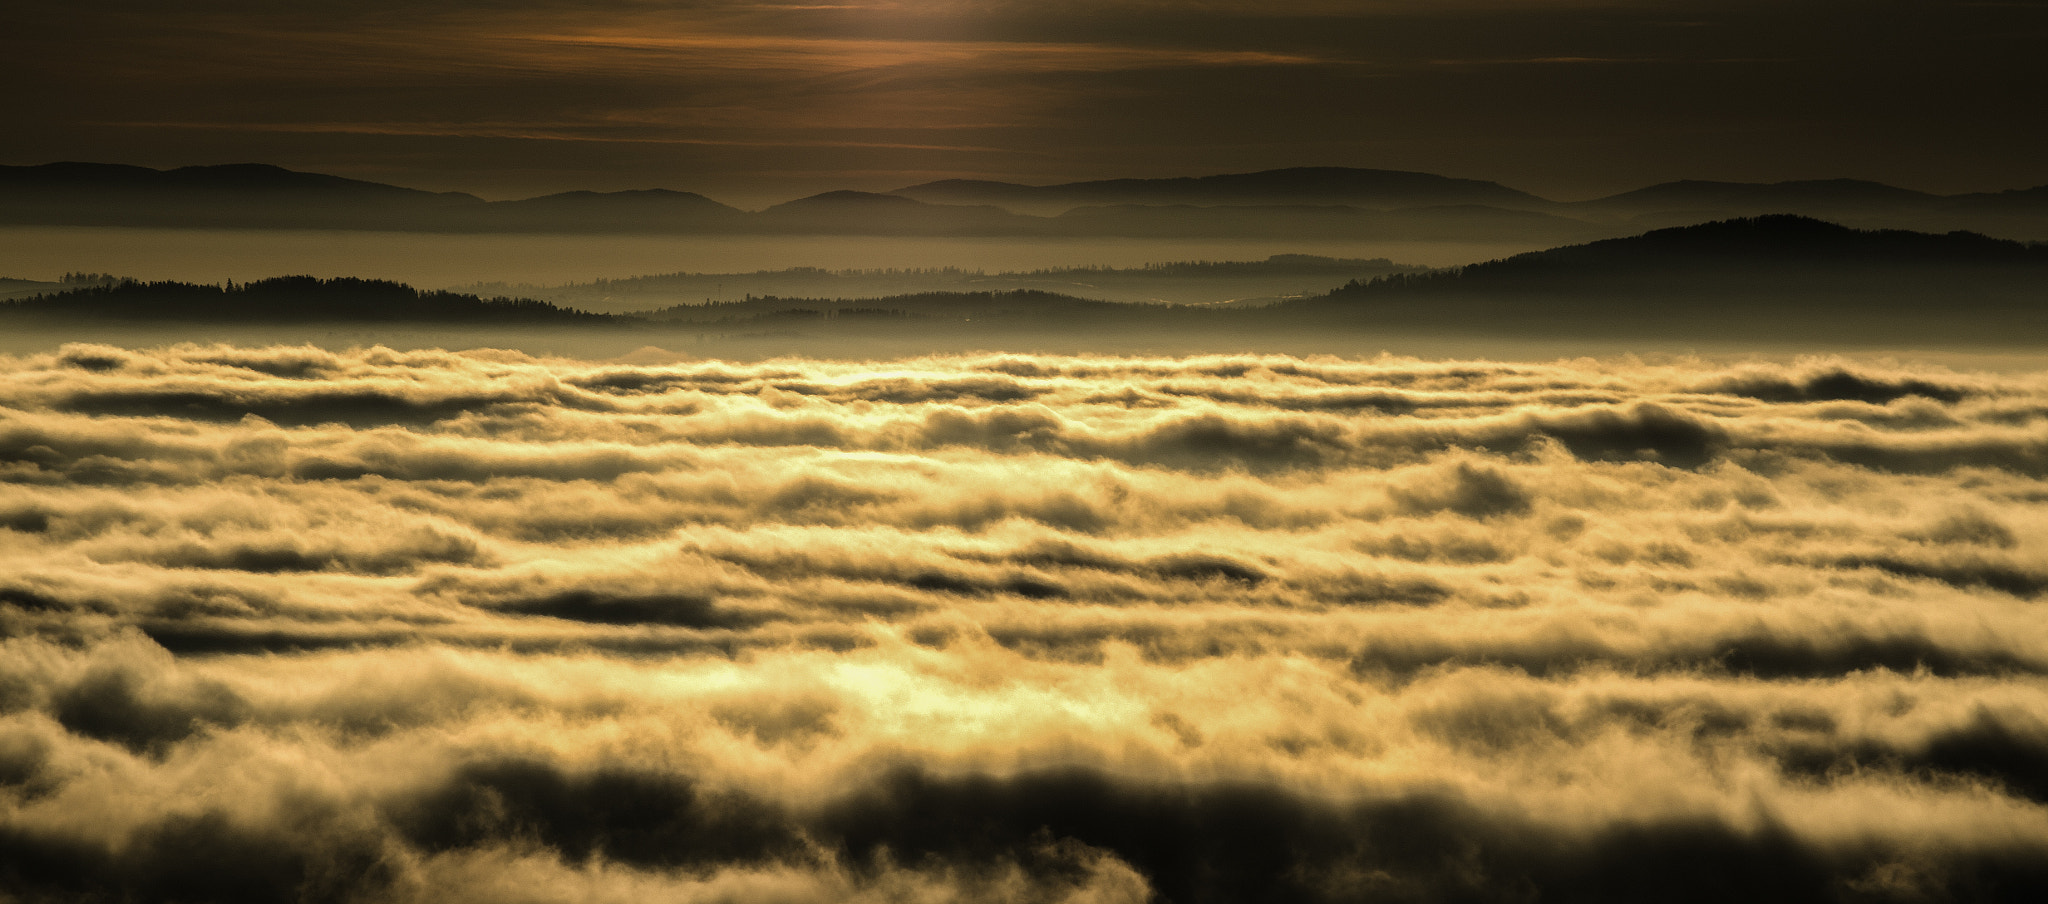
x,y
1305,203
1752,279
1773,276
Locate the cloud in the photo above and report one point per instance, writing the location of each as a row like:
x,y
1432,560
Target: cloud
x,y
1016,627
779,100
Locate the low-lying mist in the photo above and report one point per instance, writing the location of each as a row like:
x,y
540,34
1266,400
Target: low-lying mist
x,y
291,623
435,260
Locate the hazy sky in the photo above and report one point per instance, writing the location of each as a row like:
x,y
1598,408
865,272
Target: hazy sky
x,y
749,100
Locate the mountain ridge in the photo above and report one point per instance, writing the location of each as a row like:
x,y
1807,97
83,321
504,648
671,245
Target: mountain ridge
x,y
1758,274
1303,202
232,177
1351,186
1764,241
289,299
1746,279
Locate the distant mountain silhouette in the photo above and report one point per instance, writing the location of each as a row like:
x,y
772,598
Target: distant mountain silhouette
x,y
1754,280
1442,223
91,194
1326,203
1779,272
263,196
229,179
2020,201
856,201
1207,283
22,288
839,212
1366,188
1742,245
2022,213
1771,195
1008,195
289,299
645,210
1013,307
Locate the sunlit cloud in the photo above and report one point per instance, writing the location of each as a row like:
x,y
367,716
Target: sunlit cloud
x,y
434,625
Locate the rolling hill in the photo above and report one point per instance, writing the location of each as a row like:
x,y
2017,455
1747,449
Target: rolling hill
x,y
1310,203
1771,275
1363,188
287,299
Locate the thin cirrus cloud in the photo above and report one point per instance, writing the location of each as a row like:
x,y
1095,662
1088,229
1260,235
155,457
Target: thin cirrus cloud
x,y
1558,98
670,47
687,85
638,131
842,55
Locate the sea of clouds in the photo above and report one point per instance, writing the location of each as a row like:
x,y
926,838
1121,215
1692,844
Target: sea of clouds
x,y
293,624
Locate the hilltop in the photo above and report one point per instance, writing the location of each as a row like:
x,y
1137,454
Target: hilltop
x,y
1304,202
1768,275
288,299
1369,189
1233,283
1763,278
1736,249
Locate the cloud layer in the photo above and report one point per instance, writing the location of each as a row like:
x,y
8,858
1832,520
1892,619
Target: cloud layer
x,y
286,623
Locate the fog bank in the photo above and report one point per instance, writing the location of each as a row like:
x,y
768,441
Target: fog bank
x,y
302,624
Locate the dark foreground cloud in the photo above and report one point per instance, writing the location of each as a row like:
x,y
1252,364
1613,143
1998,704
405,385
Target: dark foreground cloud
x,y
1017,628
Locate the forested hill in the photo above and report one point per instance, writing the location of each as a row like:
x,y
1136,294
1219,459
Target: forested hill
x,y
1746,253
291,299
1770,277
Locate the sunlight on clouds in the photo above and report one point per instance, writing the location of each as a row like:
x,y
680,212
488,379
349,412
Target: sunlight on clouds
x,y
433,625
